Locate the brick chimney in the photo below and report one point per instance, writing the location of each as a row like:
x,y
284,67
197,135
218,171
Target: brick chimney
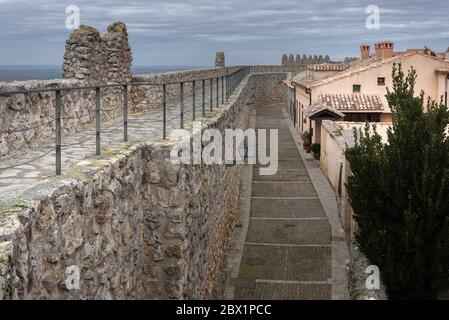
x,y
364,51
384,50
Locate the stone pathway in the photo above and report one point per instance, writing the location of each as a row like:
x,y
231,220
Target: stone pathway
x,y
288,247
18,182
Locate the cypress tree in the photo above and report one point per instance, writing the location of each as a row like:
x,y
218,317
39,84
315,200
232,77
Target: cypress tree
x,y
399,192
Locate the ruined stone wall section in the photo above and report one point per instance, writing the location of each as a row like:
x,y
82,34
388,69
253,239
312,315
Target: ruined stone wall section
x,y
118,54
136,224
98,60
148,97
37,111
85,56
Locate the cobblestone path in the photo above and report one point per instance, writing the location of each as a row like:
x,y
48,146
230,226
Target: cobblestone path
x,y
287,250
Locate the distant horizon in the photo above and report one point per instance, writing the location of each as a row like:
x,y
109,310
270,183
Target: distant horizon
x,y
24,72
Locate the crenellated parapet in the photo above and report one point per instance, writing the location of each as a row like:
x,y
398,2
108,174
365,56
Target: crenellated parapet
x,y
291,60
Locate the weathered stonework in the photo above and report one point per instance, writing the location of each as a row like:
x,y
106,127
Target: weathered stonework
x,y
118,54
220,59
85,56
269,89
150,97
136,224
98,60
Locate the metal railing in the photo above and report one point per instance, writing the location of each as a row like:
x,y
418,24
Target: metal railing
x,y
229,82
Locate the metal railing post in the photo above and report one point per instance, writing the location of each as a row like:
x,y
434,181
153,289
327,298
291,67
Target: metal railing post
x,y
211,94
227,87
217,97
231,84
58,132
164,113
97,120
182,103
193,99
125,113
203,94
222,90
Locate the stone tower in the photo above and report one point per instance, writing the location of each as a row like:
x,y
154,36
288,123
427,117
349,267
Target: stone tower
x,y
220,59
284,59
291,59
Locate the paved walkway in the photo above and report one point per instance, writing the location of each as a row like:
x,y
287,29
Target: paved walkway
x,y
288,246
19,182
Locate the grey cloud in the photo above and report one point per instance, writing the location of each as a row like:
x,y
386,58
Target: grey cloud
x,y
190,31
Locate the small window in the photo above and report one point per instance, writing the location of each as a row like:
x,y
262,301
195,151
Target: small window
x,y
356,88
381,81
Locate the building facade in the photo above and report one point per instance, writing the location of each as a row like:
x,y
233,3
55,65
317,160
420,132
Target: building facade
x,y
357,93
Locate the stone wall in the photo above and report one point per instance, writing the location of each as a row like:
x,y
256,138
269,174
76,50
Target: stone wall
x,y
98,60
293,69
37,111
147,97
88,60
269,89
136,224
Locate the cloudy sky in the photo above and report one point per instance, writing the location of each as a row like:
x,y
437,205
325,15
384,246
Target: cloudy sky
x,y
188,32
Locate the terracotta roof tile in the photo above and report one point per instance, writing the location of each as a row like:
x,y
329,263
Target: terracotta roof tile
x,y
328,67
352,102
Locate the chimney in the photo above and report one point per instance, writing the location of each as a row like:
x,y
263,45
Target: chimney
x,y
364,51
447,54
384,50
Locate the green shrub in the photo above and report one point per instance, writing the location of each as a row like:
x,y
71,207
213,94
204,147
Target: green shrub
x,y
307,137
400,194
316,149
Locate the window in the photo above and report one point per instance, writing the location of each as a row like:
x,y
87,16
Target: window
x,y
356,88
381,81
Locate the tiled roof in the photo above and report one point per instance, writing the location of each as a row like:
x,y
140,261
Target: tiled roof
x,y
319,108
357,66
328,67
340,103
352,102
